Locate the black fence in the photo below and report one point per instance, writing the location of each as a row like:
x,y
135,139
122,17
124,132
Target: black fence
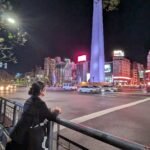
x,y
11,111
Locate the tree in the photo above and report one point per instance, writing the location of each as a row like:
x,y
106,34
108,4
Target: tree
x,y
10,35
110,5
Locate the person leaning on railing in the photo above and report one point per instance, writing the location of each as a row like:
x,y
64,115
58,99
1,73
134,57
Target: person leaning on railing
x,y
30,131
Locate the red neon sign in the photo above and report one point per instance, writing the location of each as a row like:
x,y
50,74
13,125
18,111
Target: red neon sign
x,y
82,58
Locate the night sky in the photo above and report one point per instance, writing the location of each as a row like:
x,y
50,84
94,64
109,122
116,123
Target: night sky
x,y
63,28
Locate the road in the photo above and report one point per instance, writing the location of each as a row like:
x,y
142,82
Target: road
x,y
122,114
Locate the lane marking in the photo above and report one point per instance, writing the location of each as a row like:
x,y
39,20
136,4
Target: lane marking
x,y
104,112
109,96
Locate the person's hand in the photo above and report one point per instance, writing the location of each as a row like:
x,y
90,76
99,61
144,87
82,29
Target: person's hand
x,y
57,110
8,139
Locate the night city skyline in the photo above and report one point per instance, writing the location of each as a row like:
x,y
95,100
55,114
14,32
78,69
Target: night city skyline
x,y
82,66
62,28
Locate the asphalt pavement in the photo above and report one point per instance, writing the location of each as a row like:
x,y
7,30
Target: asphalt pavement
x,y
122,114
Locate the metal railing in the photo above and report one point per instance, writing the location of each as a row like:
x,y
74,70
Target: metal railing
x,y
11,111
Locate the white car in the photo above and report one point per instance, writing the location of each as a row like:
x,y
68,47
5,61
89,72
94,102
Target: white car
x,y
89,89
69,86
108,88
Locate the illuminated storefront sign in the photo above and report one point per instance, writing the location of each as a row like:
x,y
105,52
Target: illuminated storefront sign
x,y
82,58
141,74
120,77
108,68
118,53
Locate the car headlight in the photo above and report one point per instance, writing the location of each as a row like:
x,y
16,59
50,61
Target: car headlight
x,y
7,88
1,88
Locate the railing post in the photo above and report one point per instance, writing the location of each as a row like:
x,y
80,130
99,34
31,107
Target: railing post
x,y
14,116
0,108
4,115
57,137
51,135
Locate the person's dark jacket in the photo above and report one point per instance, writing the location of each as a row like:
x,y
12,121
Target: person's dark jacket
x,y
33,107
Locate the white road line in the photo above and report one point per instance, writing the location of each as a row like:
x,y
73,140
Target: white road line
x,y
104,112
109,96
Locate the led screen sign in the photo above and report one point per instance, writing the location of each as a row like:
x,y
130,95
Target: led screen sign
x,y
107,68
118,53
82,58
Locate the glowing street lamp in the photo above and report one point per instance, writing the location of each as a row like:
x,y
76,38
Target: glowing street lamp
x,y
11,20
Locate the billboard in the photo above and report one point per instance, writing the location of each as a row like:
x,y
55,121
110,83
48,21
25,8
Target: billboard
x,y
82,58
107,68
119,53
141,74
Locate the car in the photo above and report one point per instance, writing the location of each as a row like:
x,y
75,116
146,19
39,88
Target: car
x,y
69,86
6,87
89,89
108,88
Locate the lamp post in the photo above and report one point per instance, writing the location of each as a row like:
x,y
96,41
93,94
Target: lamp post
x,y
11,20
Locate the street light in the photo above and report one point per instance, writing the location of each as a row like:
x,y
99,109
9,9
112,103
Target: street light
x,y
11,20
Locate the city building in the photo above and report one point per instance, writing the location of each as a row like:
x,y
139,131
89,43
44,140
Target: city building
x,y
59,71
39,73
137,73
148,61
70,71
121,68
108,68
147,71
83,69
50,69
46,66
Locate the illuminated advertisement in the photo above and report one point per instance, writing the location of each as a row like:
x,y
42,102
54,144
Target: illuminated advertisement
x,y
119,53
141,74
107,68
82,58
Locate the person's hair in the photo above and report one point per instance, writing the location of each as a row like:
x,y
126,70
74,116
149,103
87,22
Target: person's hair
x,y
36,88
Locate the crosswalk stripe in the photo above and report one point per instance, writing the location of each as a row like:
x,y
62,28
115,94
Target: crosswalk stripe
x,y
104,112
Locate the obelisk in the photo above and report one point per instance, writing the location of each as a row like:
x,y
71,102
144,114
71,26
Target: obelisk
x,y
97,45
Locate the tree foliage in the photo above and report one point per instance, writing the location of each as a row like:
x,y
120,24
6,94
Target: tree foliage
x,y
10,36
110,5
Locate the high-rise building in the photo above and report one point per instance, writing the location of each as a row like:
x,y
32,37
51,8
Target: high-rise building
x,y
59,71
148,61
69,71
49,69
147,72
46,66
137,73
121,68
82,71
108,72
97,46
82,68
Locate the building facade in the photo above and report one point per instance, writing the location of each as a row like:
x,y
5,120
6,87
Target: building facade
x,y
59,71
108,72
82,71
148,61
147,72
121,69
50,70
137,73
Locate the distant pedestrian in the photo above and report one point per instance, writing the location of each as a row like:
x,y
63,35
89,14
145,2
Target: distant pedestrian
x,y
30,131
